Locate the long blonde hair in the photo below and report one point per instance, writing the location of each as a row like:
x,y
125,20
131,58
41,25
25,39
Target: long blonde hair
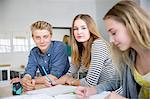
x,y
78,50
137,22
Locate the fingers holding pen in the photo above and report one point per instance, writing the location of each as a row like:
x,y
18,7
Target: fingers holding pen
x,y
51,81
47,83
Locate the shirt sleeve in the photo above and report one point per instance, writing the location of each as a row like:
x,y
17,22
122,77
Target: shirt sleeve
x,y
60,60
31,65
101,67
111,85
72,70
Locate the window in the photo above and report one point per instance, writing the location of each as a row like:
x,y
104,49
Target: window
x,y
5,45
20,44
32,44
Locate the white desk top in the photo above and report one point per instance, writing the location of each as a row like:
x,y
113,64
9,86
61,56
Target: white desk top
x,y
56,92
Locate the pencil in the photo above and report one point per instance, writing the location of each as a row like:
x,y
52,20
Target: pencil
x,y
47,77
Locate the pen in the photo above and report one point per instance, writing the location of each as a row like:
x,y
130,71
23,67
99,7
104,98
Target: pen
x,y
49,80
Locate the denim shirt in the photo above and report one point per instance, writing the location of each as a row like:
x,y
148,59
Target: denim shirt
x,y
55,60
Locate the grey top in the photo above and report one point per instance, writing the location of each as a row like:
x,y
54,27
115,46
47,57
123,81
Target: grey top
x,y
129,87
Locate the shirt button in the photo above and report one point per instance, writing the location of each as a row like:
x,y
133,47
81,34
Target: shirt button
x,y
48,55
45,61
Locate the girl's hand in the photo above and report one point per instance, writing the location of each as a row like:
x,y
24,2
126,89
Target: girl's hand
x,y
114,95
85,92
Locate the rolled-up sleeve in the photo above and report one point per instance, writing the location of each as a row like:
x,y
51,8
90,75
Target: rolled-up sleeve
x,y
31,65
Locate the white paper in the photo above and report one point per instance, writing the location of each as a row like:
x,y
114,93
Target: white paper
x,y
56,90
99,96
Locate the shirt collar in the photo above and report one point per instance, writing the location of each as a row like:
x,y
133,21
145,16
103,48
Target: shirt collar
x,y
49,51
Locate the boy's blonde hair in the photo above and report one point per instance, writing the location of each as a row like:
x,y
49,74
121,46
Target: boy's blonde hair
x,y
41,25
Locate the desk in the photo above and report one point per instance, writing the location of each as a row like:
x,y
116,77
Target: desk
x,y
5,67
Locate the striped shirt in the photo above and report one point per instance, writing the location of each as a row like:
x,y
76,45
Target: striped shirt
x,y
101,68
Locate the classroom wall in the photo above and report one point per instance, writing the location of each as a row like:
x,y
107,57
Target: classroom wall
x,y
145,4
102,6
17,15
